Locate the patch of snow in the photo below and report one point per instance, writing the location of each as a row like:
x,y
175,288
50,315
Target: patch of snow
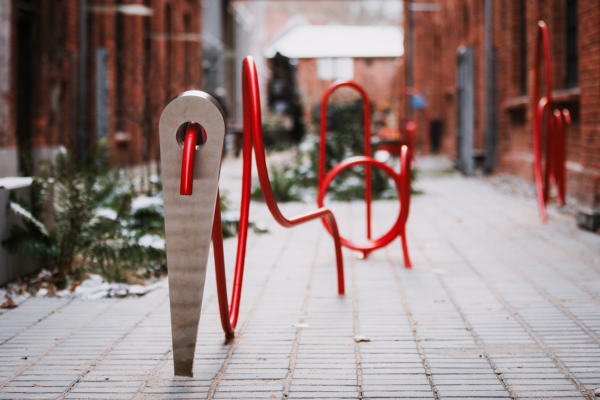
x,y
382,155
96,288
106,213
230,216
260,227
152,241
145,201
15,182
17,209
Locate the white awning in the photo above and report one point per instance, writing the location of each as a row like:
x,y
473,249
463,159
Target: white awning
x,y
319,41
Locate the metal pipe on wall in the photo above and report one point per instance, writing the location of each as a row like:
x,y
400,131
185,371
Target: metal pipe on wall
x,y
82,78
491,153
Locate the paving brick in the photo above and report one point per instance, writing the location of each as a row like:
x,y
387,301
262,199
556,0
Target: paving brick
x,y
494,301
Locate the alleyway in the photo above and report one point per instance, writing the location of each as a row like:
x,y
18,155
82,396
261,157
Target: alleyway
x,y
497,306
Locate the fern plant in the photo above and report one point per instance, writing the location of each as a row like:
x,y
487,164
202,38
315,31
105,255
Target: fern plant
x,y
283,183
93,226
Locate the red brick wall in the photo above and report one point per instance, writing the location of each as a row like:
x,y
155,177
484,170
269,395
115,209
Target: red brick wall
x,y
438,36
147,66
586,184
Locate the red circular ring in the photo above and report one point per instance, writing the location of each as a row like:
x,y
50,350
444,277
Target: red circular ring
x,y
350,162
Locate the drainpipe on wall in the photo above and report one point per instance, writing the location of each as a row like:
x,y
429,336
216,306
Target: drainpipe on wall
x,y
410,56
491,140
82,78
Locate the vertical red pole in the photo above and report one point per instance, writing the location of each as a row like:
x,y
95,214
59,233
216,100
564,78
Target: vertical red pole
x,y
368,192
542,183
367,128
187,163
405,181
221,278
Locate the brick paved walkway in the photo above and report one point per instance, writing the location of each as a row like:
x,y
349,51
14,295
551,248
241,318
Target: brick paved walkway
x,y
497,306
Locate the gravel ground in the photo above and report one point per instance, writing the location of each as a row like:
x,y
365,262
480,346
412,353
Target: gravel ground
x,y
521,188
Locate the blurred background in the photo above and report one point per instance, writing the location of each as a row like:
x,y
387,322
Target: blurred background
x,y
73,72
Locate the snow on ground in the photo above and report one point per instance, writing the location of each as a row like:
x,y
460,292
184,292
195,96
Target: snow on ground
x,y
95,287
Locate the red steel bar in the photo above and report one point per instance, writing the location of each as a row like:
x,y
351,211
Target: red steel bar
x,y
253,137
405,192
555,163
562,120
367,124
187,163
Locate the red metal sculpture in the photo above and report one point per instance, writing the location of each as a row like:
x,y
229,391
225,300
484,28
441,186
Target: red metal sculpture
x,y
252,137
402,181
556,121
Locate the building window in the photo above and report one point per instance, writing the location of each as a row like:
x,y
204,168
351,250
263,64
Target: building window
x,y
571,50
522,48
335,68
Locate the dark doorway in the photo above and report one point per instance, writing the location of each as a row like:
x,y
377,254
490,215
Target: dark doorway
x,y
283,95
25,51
436,135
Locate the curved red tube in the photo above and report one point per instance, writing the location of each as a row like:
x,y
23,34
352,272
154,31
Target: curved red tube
x,y
253,136
187,163
402,182
367,124
555,131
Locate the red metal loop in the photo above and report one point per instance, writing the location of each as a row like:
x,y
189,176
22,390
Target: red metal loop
x,y
369,245
187,163
367,126
402,183
253,136
555,131
324,181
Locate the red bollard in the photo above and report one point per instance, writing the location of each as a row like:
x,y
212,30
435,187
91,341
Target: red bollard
x,y
556,143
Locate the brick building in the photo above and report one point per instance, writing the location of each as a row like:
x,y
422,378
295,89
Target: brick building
x,y
449,37
75,71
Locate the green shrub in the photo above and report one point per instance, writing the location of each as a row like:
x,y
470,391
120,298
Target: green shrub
x,y
94,227
283,183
